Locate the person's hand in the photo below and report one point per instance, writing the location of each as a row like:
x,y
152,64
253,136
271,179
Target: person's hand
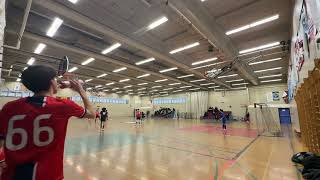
x,y
76,86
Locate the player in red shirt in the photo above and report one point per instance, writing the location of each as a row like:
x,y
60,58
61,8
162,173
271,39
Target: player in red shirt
x,y
33,129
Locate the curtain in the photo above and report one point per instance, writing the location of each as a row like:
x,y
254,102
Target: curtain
x,y
197,103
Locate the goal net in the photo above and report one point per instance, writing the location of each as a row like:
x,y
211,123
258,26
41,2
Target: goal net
x,y
267,124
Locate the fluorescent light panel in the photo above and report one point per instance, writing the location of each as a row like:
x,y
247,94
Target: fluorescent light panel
x,y
124,80
273,80
31,61
115,89
111,48
204,61
108,84
265,61
141,84
39,48
167,89
127,87
184,47
259,47
167,70
271,69
156,87
275,75
213,87
157,22
161,80
239,84
190,75
236,80
207,84
254,24
120,69
87,61
173,84
88,80
198,80
73,69
73,1
183,87
98,86
231,75
141,89
102,75
145,75
89,88
18,79
145,61
57,22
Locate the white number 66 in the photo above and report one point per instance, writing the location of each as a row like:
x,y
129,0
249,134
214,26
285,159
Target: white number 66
x,y
23,133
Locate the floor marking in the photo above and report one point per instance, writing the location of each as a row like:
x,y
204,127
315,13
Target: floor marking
x,y
217,171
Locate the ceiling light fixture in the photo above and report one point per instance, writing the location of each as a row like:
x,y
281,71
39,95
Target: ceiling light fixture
x,y
87,61
57,22
167,89
271,69
141,84
236,80
275,75
231,75
145,75
167,70
106,90
198,80
173,84
157,23
239,84
265,61
108,84
115,89
102,75
204,61
141,89
88,80
259,47
18,79
190,75
156,87
213,87
89,88
97,86
178,91
120,69
127,87
72,69
254,24
145,61
273,80
31,61
73,1
184,47
39,48
161,80
130,90
207,84
111,48
124,80
183,87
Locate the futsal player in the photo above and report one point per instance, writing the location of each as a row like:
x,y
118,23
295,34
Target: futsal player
x,y
138,116
224,121
33,129
103,117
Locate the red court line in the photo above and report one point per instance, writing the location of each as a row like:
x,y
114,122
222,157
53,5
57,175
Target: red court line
x,y
242,132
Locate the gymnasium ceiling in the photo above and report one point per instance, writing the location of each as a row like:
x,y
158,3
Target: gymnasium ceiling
x,y
91,26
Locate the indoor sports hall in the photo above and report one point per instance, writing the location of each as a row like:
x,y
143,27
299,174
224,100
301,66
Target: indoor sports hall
x,y
160,89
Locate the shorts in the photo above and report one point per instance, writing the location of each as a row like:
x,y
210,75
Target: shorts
x,y
138,118
104,120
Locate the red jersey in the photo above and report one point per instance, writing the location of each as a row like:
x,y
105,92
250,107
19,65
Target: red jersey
x,y
34,130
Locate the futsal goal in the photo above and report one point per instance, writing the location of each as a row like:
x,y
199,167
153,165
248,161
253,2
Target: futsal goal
x,y
266,122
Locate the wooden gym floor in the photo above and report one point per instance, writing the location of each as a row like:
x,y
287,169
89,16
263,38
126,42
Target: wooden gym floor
x,y
175,149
